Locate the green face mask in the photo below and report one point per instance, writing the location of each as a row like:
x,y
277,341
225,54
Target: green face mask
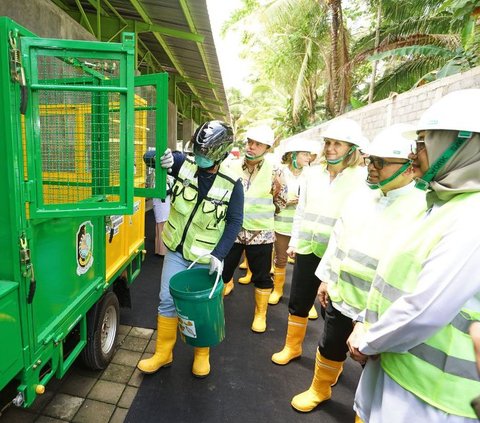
x,y
203,163
249,157
336,161
380,184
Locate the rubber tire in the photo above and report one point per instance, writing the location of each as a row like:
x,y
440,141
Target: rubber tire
x,y
93,355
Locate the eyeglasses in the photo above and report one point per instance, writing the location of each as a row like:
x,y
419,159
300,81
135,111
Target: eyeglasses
x,y
419,146
379,163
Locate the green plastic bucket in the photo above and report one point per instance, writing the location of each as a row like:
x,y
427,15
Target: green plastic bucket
x,y
199,302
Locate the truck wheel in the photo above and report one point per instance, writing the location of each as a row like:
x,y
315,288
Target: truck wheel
x,y
102,328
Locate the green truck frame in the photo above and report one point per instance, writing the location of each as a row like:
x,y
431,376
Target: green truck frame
x,y
71,117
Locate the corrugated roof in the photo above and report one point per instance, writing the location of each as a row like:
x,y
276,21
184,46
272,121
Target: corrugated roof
x,y
177,33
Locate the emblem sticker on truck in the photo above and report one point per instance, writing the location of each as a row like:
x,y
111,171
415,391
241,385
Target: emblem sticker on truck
x,y
84,247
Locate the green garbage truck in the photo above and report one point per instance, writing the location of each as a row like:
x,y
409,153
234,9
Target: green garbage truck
x,y
75,122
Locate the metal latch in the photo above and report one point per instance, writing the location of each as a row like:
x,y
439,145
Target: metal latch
x,y
17,72
28,271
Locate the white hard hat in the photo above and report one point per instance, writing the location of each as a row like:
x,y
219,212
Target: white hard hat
x,y
457,111
301,144
263,134
394,141
344,129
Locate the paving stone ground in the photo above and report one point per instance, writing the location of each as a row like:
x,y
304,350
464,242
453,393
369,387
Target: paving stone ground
x,y
86,396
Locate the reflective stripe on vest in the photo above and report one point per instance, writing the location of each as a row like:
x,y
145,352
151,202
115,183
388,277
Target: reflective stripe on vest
x,y
284,220
446,360
323,206
258,206
199,225
366,233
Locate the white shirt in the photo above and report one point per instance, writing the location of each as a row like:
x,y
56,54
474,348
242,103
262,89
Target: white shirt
x,y
320,176
450,277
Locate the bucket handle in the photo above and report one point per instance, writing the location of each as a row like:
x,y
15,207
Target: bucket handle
x,y
216,279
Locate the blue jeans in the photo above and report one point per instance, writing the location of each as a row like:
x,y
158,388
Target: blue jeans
x,y
172,264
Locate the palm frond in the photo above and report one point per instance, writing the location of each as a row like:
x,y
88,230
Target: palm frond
x,y
415,50
406,75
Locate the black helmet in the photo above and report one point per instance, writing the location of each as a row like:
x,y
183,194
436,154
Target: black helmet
x,y
213,140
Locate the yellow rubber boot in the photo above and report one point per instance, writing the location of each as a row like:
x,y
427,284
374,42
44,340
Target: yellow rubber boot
x,y
297,327
228,287
358,419
326,372
245,280
243,264
312,314
201,362
166,338
278,282
259,324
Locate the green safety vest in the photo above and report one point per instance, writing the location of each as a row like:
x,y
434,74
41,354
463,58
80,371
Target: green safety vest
x,y
443,367
258,209
198,226
364,237
284,219
323,208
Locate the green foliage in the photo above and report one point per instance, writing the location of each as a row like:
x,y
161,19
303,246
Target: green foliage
x,y
290,43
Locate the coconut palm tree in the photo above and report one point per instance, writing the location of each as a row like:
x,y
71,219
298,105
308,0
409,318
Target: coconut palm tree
x,y
418,42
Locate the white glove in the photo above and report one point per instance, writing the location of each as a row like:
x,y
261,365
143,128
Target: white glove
x,y
216,265
166,161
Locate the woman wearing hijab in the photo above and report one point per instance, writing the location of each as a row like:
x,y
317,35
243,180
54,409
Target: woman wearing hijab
x,y
426,291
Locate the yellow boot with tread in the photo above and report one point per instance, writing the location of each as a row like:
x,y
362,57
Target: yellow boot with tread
x,y
245,280
297,327
228,287
259,324
312,314
278,283
244,264
326,372
201,362
166,338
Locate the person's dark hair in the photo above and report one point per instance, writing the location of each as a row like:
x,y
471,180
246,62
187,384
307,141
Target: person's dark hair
x,y
287,158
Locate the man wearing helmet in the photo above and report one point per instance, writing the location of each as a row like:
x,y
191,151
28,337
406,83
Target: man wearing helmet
x,y
370,220
425,292
265,192
205,217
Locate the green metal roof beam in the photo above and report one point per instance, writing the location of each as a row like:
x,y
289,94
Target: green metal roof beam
x,y
97,6
139,8
159,65
84,17
140,27
197,82
151,27
191,25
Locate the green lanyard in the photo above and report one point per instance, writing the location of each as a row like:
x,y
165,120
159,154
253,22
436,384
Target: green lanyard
x,y
423,183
